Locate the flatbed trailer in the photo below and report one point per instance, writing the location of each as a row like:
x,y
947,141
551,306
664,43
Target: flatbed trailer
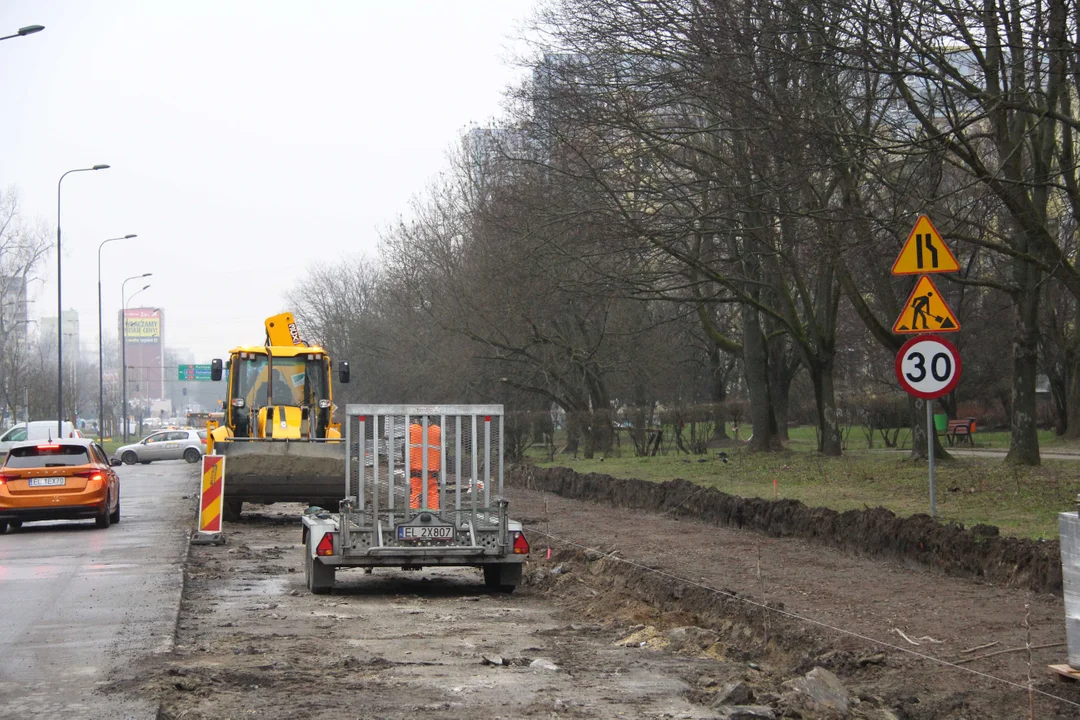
x,y
374,525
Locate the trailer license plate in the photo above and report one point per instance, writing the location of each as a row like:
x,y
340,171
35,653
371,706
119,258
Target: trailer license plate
x,y
47,482
430,532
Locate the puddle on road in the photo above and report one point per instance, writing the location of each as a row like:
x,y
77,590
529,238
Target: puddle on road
x,y
263,587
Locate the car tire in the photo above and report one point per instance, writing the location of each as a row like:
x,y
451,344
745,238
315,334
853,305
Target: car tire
x,y
115,516
15,524
192,455
129,458
3,527
103,519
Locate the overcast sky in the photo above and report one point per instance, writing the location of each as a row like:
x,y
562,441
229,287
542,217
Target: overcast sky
x,y
246,139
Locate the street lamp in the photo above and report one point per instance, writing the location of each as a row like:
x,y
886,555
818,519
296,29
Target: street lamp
x,y
60,306
24,31
123,346
100,344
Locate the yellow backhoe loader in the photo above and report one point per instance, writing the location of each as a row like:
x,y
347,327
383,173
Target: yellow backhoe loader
x,y
279,437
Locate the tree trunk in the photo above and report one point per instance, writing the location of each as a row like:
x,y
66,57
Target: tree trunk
x,y
638,421
756,367
1072,384
918,432
780,395
1024,444
573,432
830,442
717,393
602,430
1059,395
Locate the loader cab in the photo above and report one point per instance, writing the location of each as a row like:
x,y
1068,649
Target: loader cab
x,y
279,392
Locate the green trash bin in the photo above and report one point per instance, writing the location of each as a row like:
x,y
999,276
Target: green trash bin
x,y
941,422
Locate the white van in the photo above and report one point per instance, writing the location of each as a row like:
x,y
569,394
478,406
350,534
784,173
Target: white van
x,y
35,430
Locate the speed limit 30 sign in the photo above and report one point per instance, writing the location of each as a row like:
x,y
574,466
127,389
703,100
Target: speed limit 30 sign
x,y
928,366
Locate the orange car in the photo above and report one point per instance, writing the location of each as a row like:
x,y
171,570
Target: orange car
x,y
60,480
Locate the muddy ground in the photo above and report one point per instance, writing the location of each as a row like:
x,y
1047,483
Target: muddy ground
x,y
635,614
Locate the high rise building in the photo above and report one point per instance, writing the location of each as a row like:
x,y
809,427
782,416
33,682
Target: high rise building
x,y
70,329
13,310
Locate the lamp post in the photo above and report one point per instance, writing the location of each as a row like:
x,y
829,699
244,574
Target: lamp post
x,y
60,306
100,343
123,348
24,31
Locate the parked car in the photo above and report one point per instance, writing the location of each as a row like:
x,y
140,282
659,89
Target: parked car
x,y
164,445
64,479
35,431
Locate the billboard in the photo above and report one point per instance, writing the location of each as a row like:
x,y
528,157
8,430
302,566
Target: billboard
x,y
142,325
144,341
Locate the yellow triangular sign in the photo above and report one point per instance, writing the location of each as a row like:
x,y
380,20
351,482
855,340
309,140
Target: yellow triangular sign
x,y
924,252
926,311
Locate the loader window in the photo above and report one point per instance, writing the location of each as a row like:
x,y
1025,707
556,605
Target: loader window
x,y
251,376
304,380
295,381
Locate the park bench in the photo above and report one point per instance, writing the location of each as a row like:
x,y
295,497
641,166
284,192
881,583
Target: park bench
x,y
959,429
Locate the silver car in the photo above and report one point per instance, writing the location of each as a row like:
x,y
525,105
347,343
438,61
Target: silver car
x,y
164,445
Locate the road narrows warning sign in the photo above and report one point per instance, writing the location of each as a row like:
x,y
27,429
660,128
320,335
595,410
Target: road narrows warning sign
x,y
925,252
926,311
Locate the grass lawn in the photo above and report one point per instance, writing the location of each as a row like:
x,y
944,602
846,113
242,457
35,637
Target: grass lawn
x,y
1022,502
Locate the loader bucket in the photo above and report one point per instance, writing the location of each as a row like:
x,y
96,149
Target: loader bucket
x,y
268,471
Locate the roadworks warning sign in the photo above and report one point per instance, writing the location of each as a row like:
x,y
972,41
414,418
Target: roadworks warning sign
x,y
926,311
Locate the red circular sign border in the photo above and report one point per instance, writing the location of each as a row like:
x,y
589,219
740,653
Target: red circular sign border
x,y
945,390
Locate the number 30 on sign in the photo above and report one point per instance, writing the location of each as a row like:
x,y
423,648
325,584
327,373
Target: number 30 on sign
x,y
928,366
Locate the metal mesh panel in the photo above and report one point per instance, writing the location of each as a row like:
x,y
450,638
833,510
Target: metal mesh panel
x,y
459,446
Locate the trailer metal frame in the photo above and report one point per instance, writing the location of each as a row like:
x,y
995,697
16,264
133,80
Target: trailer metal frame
x,y
374,525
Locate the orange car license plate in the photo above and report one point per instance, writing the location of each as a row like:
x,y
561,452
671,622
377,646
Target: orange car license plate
x,y
47,482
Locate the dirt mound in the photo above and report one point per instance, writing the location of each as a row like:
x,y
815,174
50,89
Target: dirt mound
x,y
979,553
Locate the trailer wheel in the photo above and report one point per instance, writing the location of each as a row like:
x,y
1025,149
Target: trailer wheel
x,y
232,510
320,578
503,577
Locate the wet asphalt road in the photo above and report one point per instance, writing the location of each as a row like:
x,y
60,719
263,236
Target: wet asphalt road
x,y
77,602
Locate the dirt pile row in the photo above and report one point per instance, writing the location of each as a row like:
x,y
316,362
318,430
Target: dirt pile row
x,y
768,665
978,553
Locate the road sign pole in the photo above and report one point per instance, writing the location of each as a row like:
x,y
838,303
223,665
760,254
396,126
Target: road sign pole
x,y
927,366
930,434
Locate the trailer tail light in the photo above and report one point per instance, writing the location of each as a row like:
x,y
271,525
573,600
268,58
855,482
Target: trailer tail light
x,y
326,545
521,545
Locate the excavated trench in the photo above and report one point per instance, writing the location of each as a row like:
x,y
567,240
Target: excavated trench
x,y
976,553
